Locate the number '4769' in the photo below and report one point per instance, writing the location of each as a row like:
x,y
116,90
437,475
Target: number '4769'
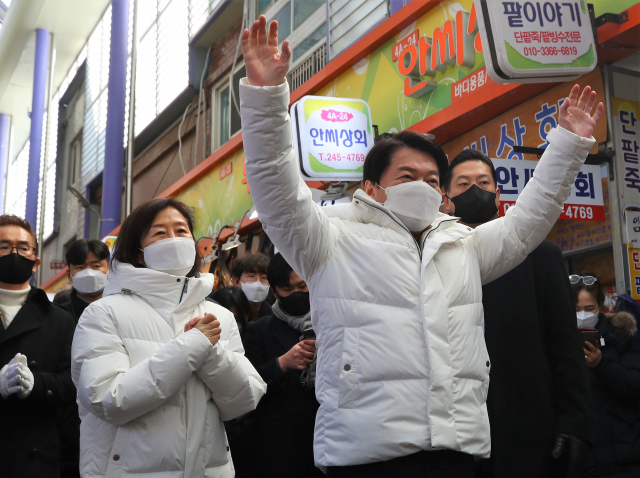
x,y
578,212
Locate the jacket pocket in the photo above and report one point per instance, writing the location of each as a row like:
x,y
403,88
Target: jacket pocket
x,y
116,459
348,367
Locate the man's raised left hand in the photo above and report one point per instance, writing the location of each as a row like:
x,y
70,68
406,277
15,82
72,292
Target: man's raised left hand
x,y
575,113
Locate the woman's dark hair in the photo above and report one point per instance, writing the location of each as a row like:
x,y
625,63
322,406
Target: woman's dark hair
x,y
380,155
231,296
79,250
279,272
256,263
128,245
463,157
594,289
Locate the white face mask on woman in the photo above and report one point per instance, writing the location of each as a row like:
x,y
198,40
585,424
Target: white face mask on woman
x,y
587,320
175,255
415,203
89,282
255,291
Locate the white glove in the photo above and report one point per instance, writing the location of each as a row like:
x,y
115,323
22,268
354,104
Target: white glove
x,y
26,377
10,377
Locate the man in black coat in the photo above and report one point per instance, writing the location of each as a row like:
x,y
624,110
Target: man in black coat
x,y
538,402
284,420
35,356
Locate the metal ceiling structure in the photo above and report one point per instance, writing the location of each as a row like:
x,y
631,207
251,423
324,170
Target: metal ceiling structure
x,y
70,21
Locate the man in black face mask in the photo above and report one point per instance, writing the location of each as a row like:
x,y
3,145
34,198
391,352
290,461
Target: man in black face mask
x,y
538,401
282,347
35,360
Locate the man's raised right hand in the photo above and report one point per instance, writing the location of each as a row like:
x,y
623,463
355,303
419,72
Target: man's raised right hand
x,y
265,65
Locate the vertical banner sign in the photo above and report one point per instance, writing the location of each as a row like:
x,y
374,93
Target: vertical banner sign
x,y
585,203
634,271
626,130
331,137
536,41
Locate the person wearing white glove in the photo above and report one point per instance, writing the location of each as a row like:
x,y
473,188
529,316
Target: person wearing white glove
x,y
35,361
15,377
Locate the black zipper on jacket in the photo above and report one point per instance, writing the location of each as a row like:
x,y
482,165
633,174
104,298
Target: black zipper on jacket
x,y
184,288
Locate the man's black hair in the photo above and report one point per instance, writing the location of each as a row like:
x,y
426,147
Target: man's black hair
x,y
463,157
256,263
279,272
78,251
380,155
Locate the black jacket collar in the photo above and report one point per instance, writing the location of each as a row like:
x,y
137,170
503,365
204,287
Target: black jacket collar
x,y
29,317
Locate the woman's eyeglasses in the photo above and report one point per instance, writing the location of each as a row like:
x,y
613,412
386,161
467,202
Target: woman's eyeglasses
x,y
586,280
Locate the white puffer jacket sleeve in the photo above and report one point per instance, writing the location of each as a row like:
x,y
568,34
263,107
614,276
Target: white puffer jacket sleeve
x,y
236,387
296,224
107,384
504,243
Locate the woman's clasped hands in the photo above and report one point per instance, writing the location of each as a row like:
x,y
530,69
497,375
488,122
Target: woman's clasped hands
x,y
208,325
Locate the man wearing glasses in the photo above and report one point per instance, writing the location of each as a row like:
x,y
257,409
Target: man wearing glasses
x,y
35,359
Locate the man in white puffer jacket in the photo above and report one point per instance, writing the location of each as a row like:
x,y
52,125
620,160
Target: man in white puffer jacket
x,y
396,295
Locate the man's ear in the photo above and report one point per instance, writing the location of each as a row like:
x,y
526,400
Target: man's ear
x,y
448,204
498,198
69,273
235,281
368,188
35,266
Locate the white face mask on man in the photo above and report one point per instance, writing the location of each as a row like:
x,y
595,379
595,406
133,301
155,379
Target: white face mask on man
x,y
89,282
175,255
587,320
255,291
415,203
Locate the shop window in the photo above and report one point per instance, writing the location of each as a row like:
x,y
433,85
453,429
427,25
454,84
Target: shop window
x,y
226,120
310,42
302,22
75,160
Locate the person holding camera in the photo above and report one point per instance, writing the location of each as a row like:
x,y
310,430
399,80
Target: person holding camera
x,y
613,360
282,349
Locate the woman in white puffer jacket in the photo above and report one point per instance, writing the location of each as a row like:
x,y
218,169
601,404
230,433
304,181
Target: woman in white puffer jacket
x,y
154,385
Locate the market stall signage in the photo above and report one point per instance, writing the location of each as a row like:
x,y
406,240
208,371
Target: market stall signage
x,y
536,41
585,203
331,137
449,45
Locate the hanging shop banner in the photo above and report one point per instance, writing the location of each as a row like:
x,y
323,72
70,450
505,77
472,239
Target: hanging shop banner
x,y
412,76
331,137
626,132
585,203
634,271
527,124
219,198
536,41
572,236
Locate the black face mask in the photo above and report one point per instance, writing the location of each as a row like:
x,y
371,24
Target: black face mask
x,y
296,304
475,205
15,269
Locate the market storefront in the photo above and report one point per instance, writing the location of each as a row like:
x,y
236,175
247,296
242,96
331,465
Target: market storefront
x,y
421,69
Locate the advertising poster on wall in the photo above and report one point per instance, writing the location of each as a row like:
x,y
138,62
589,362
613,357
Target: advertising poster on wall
x,y
220,198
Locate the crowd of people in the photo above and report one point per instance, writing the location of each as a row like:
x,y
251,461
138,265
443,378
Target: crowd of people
x,y
363,348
